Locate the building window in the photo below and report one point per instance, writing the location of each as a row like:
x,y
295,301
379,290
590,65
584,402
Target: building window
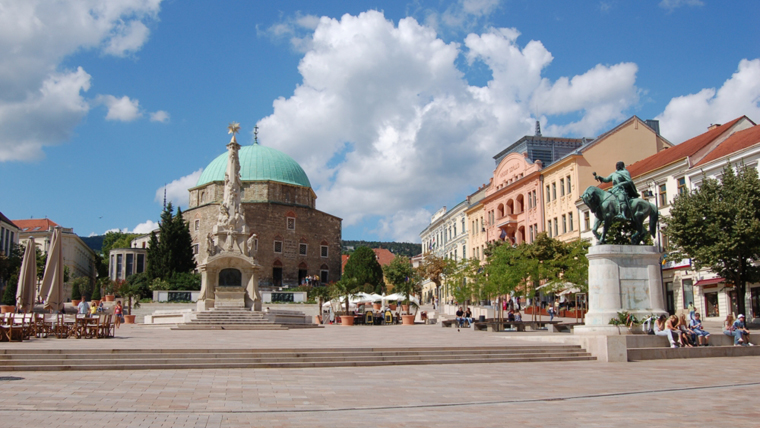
x,y
663,195
681,185
302,248
549,228
556,226
195,248
455,230
564,223
554,191
323,275
569,187
118,266
113,267
562,187
586,220
140,263
464,252
197,224
291,223
324,250
278,247
130,265
548,194
570,221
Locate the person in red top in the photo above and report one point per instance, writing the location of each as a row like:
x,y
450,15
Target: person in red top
x,y
118,311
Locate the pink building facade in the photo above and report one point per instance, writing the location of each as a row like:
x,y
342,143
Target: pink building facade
x,y
513,200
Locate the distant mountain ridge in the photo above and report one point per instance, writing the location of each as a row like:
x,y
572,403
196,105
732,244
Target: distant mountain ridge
x,y
400,248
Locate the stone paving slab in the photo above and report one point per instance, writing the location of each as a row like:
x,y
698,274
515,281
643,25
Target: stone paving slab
x,y
654,393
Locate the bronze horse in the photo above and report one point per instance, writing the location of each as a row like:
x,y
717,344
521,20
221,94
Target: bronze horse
x,y
605,207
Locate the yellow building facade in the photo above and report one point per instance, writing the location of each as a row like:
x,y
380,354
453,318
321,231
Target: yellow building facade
x,y
565,180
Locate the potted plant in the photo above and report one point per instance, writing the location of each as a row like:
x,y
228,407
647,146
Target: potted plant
x,y
76,292
95,296
346,288
108,288
130,291
628,320
320,293
9,296
392,305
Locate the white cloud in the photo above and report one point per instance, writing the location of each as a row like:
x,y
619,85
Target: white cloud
x,y
404,226
418,133
41,102
146,227
159,116
176,191
122,109
297,30
690,115
674,4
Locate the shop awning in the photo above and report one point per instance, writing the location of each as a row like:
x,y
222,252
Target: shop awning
x,y
709,282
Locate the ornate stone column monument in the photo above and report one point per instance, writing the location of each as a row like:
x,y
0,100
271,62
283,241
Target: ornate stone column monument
x,y
229,269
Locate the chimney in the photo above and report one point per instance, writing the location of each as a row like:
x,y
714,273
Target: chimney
x,y
713,126
654,124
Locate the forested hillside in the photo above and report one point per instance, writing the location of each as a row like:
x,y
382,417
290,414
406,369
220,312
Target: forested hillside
x,y
401,248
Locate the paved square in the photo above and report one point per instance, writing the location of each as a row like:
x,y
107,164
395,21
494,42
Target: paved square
x,y
697,392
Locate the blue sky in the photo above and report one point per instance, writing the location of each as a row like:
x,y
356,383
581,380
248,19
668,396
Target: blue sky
x,y
393,108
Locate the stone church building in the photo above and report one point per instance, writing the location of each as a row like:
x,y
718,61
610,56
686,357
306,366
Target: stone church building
x,y
293,238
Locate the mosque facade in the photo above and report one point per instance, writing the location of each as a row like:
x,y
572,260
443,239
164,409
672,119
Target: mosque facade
x,y
291,238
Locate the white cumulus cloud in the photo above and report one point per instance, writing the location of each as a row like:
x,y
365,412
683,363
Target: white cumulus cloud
x,y
385,124
176,191
121,109
40,101
690,115
145,227
675,4
159,116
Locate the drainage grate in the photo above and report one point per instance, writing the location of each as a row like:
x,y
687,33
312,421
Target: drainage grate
x,y
2,378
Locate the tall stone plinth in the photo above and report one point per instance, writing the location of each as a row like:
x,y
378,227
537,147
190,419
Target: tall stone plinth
x,y
621,278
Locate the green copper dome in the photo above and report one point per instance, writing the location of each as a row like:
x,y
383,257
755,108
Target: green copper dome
x,y
258,163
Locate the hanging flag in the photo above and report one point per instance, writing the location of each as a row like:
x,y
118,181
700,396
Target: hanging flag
x,y
503,234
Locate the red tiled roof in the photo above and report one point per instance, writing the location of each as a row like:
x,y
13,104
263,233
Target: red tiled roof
x,y
737,141
343,261
384,257
35,224
676,153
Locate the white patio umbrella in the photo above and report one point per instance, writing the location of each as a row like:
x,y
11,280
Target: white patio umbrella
x,y
52,282
27,279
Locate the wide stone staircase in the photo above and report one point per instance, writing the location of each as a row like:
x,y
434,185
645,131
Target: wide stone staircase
x,y
239,318
162,359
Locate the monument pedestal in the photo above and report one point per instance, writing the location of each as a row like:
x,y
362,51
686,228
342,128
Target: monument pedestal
x,y
621,278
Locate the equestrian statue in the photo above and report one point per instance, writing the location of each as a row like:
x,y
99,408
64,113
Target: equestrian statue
x,y
621,202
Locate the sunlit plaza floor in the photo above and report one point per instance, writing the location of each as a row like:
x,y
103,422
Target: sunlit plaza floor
x,y
699,392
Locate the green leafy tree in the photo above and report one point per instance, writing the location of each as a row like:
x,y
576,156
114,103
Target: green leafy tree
x,y
9,295
95,292
436,269
364,268
171,252
398,272
76,287
467,280
115,239
321,294
10,264
718,226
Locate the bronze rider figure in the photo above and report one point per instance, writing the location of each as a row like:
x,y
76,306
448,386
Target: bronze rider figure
x,y
622,187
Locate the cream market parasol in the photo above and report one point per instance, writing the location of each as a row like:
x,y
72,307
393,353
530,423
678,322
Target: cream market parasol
x,y
27,279
52,282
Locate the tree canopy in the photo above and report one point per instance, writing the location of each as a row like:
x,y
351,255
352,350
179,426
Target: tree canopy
x,y
172,252
718,226
364,267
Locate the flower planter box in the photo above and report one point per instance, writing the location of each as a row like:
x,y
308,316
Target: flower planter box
x,y
347,320
392,306
377,306
110,297
407,319
129,319
7,309
76,302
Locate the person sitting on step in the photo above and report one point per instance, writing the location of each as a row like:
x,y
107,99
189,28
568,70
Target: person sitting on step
x,y
740,329
696,327
688,336
460,318
468,317
660,329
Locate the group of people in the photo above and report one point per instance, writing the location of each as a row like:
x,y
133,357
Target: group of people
x,y
737,329
464,317
85,308
681,333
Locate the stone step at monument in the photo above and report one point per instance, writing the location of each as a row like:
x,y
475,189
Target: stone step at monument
x,y
50,360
